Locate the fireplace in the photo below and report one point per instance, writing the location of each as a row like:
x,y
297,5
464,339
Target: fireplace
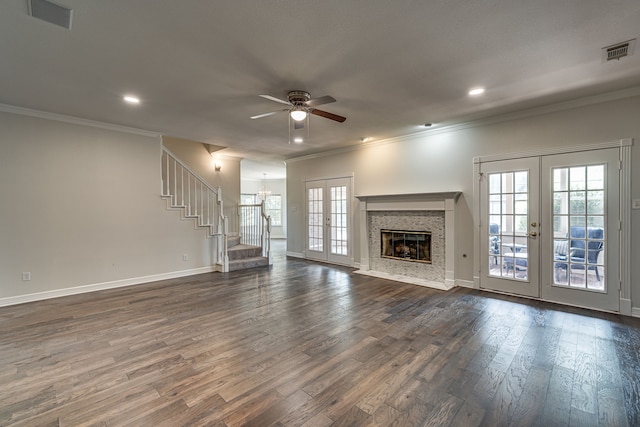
x,y
413,246
432,215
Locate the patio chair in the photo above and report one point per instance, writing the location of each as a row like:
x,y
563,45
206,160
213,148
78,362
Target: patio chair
x,y
580,252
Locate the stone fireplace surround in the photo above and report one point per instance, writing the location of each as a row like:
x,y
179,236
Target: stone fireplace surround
x,y
433,212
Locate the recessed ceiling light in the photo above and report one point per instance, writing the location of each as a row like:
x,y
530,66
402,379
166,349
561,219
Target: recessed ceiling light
x,y
298,140
476,91
130,99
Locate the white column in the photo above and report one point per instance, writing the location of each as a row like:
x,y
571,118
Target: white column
x,y
449,239
364,237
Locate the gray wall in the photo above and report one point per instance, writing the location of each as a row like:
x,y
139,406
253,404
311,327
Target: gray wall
x,y
197,158
81,208
443,161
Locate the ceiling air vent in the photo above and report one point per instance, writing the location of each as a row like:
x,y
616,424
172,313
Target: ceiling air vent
x,y
51,12
617,51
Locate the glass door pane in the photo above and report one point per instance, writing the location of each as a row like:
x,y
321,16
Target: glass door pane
x,y
338,225
315,219
508,219
579,227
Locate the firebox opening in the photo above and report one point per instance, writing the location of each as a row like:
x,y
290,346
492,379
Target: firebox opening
x,y
406,245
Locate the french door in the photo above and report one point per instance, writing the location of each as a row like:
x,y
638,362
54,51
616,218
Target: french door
x,y
328,220
510,226
583,240
549,227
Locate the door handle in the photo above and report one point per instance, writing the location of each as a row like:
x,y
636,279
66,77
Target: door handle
x,y
533,234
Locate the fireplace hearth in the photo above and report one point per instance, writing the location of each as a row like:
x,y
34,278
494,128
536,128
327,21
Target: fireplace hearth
x,y
414,246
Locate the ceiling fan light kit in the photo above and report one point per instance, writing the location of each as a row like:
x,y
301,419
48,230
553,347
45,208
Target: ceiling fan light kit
x,y
298,114
300,106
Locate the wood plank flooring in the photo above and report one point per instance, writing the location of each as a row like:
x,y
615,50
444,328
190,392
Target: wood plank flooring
x,y
307,344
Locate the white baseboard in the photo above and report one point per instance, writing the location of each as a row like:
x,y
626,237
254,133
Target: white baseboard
x,y
635,311
626,307
466,283
295,254
38,296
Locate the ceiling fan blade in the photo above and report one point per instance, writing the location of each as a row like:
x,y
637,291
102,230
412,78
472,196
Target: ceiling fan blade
x,y
259,116
320,101
328,115
273,98
298,125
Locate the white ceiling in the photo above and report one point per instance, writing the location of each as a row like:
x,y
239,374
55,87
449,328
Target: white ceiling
x,y
199,65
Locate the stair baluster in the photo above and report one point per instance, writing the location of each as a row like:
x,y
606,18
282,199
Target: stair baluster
x,y
174,170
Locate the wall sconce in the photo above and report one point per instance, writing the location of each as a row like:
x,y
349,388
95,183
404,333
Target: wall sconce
x,y
217,166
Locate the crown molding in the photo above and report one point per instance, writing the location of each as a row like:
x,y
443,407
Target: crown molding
x,y
76,121
625,142
538,111
500,118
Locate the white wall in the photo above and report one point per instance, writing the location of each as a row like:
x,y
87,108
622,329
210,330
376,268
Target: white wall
x,y
442,161
276,186
81,209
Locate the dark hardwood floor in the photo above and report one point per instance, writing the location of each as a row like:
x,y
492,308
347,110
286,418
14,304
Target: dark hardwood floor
x,y
306,344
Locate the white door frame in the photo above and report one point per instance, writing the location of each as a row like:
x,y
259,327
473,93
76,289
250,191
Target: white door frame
x,y
624,146
513,281
335,259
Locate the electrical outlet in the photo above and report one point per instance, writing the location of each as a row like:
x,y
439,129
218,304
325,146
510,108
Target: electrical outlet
x,y
26,276
635,204
185,257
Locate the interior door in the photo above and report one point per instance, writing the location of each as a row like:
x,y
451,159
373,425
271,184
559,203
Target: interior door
x,y
549,227
328,220
581,249
510,226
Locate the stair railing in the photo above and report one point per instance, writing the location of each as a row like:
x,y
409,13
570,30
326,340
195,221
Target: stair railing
x,y
186,190
255,227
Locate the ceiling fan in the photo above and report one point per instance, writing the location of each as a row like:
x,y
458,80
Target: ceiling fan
x,y
300,105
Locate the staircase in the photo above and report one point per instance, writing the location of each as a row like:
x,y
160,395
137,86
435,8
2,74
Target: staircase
x,y
196,199
243,256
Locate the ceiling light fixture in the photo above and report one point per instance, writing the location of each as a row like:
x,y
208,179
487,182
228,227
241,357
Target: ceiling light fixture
x,y
130,99
298,114
365,139
298,140
476,91
264,193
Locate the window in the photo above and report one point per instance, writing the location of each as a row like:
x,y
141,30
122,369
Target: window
x,y
249,199
273,208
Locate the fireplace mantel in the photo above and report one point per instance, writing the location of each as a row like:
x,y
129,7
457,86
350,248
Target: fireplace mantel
x,y
436,201
409,201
